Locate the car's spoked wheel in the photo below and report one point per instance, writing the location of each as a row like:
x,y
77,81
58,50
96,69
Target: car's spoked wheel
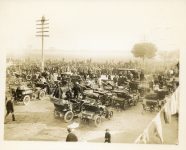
x,y
69,115
34,96
41,94
28,77
97,121
151,108
134,102
110,115
26,100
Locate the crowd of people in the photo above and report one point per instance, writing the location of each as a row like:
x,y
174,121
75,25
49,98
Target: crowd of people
x,y
85,68
28,70
21,71
24,70
59,66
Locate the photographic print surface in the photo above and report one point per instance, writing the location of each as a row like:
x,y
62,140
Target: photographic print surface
x,y
92,71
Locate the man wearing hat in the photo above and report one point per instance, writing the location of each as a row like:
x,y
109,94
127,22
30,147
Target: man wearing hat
x,y
107,136
58,93
76,90
71,137
10,108
68,94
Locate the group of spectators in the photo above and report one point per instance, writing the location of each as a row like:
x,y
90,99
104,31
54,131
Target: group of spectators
x,y
24,69
168,79
87,69
76,67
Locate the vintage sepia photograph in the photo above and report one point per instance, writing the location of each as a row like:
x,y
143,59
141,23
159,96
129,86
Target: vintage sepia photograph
x,y
92,71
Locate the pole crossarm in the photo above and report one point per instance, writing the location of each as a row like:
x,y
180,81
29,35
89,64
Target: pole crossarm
x,y
41,20
41,31
43,28
43,24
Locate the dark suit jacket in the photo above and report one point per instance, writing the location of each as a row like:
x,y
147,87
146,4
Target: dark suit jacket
x,y
71,137
107,137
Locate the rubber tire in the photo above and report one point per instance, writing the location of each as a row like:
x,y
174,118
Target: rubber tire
x,y
34,96
26,100
110,115
152,108
66,116
97,121
135,102
28,77
41,94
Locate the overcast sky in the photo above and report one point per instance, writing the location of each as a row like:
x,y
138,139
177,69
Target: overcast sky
x,y
111,26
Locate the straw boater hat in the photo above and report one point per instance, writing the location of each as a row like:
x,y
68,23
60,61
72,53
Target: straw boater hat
x,y
73,125
77,83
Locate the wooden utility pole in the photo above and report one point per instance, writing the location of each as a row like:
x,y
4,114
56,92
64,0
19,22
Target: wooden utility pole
x,y
41,31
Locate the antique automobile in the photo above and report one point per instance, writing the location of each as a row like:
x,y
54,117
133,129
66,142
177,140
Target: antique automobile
x,y
95,112
107,84
38,93
172,84
127,72
105,97
154,101
66,109
143,88
123,99
88,84
91,94
134,86
76,78
26,76
20,75
47,89
65,78
23,94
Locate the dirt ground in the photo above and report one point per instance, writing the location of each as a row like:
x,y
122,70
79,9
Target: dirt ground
x,y
36,122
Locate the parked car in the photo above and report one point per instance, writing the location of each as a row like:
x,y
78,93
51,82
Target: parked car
x,y
23,94
123,99
45,88
76,78
95,113
154,101
105,97
66,109
65,78
107,84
